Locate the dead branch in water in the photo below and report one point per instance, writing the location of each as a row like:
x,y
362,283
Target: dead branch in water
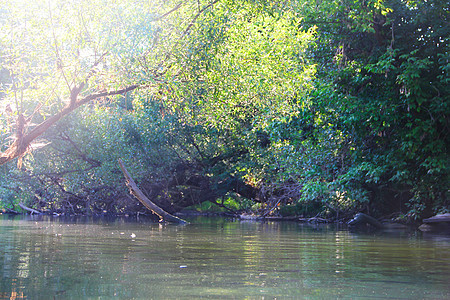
x,y
33,211
136,192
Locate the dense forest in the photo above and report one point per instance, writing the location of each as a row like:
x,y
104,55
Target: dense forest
x,y
290,108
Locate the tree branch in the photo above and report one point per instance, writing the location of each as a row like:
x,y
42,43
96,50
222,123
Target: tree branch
x,y
196,17
136,192
22,142
169,12
32,211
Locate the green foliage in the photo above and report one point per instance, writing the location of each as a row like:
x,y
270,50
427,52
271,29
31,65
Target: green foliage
x,y
318,106
225,205
391,99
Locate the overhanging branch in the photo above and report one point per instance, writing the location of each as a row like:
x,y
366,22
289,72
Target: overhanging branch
x,y
22,142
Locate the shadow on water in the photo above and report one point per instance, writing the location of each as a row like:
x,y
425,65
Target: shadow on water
x,y
80,219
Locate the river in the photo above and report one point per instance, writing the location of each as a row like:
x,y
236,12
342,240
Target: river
x,y
217,258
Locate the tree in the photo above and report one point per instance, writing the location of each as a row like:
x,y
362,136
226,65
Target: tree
x,y
305,107
62,55
74,53
383,83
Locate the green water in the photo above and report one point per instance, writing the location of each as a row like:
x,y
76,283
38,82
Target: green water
x,y
51,258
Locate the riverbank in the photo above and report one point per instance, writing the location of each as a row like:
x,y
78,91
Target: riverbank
x,y
436,224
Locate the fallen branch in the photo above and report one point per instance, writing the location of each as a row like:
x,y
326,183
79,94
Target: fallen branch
x,y
273,207
9,211
318,220
136,192
438,219
362,219
33,211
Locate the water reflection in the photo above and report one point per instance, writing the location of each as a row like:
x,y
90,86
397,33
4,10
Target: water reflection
x,y
217,258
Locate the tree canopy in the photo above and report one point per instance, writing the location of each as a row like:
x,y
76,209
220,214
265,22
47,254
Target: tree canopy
x,y
290,108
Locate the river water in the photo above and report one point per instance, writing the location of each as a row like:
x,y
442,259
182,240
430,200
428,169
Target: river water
x,y
56,258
